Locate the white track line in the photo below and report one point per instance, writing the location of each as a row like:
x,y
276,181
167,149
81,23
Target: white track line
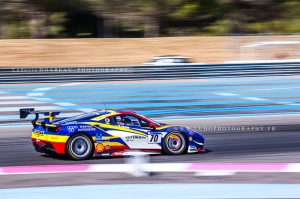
x,y
43,89
292,167
158,167
35,94
86,110
270,89
258,99
21,102
72,84
65,104
8,109
254,98
14,97
227,94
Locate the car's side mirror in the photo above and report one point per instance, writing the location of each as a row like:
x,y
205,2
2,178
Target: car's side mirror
x,y
152,126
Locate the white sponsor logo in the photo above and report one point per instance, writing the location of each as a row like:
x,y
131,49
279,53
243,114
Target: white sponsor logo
x,y
86,128
72,128
135,138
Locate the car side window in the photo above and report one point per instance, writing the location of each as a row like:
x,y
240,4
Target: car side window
x,y
129,120
144,123
119,120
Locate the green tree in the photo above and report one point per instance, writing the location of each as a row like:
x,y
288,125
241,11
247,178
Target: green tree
x,y
111,11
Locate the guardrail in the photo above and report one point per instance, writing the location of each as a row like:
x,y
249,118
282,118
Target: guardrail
x,y
102,73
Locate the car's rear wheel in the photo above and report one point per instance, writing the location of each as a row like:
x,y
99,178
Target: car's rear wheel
x,y
79,147
174,143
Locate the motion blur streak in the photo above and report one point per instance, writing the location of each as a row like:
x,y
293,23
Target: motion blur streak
x,y
279,146
161,99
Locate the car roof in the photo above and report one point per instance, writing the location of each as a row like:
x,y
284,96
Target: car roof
x,y
115,112
118,111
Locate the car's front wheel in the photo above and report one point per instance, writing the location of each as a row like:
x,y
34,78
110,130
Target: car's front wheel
x,y
79,147
174,143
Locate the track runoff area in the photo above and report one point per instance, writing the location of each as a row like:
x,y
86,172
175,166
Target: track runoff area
x,y
269,104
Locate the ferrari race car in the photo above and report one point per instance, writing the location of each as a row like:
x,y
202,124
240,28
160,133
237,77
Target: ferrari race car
x,y
109,133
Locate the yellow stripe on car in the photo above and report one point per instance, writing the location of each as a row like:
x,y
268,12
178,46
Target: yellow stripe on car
x,y
111,113
120,128
162,127
199,143
50,138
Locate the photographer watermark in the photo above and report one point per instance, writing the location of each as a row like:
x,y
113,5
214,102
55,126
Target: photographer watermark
x,y
235,128
73,70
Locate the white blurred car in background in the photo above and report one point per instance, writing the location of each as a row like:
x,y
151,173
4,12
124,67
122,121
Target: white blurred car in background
x,y
170,60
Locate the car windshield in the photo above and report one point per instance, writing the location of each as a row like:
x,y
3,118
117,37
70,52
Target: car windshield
x,y
152,121
85,116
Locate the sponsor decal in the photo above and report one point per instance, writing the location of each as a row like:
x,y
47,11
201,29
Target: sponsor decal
x,y
99,147
118,153
193,149
191,132
72,128
86,128
99,137
105,154
178,128
154,137
135,138
107,147
54,138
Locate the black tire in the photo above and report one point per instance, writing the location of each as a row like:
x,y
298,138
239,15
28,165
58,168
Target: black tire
x,y
79,147
175,143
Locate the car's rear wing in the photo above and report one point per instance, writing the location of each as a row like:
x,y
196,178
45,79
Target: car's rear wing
x,y
48,116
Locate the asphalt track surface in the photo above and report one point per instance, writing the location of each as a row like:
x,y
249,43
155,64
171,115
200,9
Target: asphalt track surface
x,y
278,141
268,143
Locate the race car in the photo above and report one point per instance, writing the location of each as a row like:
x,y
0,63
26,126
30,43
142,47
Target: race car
x,y
109,133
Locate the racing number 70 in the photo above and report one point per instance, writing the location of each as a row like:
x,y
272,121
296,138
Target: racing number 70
x,y
154,138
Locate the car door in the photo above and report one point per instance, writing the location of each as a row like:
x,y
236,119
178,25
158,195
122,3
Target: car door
x,y
135,132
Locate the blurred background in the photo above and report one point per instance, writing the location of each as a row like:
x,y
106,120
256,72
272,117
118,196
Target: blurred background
x,y
134,31
142,18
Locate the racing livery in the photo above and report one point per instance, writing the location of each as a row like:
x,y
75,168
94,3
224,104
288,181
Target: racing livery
x,y
109,133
